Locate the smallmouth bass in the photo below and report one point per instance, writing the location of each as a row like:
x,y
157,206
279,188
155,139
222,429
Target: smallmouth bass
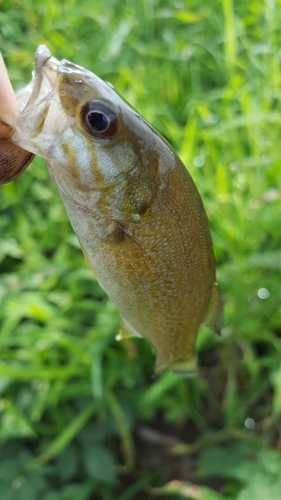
x,y
135,209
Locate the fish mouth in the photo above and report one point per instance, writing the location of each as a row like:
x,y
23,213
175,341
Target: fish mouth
x,y
35,101
42,85
47,105
39,102
48,71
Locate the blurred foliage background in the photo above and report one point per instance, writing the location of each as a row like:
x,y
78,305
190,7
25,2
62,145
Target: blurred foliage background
x,y
80,414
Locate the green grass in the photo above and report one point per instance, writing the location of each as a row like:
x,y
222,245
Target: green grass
x,y
80,415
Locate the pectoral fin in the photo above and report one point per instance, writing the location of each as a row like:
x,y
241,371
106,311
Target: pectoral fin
x,y
119,216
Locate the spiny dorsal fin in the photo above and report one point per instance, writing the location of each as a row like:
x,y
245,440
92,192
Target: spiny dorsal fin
x,y
214,318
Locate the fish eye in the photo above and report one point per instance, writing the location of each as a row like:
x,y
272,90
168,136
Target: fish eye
x,y
99,120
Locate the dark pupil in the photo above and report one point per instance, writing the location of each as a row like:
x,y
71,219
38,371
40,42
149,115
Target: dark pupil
x,y
98,121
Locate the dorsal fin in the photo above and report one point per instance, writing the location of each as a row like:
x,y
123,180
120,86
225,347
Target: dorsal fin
x,y
214,318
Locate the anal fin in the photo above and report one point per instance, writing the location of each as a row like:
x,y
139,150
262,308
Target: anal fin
x,y
126,331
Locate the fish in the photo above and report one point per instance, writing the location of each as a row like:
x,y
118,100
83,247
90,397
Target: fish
x,y
132,203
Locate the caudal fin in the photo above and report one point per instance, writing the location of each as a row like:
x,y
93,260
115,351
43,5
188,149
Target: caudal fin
x,y
187,369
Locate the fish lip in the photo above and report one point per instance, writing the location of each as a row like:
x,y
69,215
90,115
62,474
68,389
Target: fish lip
x,y
34,101
45,71
45,79
40,102
42,55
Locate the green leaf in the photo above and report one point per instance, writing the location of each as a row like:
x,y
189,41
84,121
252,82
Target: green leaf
x,y
77,491
13,423
68,433
188,17
261,486
67,463
151,397
9,469
100,464
225,462
52,495
276,378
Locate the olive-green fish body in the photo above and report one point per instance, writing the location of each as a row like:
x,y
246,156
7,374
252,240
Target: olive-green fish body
x,y
131,202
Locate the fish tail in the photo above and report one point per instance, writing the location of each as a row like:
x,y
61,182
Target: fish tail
x,y
186,368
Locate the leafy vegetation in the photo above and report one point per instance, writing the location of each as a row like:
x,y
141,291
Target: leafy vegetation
x,y
80,414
